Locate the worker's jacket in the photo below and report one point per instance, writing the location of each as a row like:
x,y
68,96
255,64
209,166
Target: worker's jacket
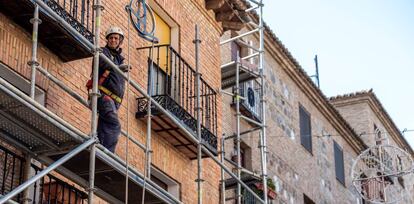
x,y
114,82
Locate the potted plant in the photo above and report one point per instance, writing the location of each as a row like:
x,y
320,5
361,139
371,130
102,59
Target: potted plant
x,y
271,193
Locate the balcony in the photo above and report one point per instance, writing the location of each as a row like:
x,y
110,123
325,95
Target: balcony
x,y
78,13
174,88
48,189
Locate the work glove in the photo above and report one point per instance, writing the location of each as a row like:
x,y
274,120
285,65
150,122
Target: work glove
x,y
124,67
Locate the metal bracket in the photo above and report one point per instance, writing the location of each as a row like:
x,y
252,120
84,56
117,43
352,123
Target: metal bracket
x,y
33,20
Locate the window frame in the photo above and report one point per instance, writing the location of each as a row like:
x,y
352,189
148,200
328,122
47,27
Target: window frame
x,y
173,187
303,138
339,152
21,83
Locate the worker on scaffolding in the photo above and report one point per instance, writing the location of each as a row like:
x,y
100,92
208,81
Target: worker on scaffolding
x,y
111,86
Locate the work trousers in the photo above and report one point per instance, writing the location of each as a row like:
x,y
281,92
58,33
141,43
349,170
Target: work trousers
x,y
109,127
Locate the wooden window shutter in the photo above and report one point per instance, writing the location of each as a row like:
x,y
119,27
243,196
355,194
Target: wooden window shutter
x,y
305,129
339,163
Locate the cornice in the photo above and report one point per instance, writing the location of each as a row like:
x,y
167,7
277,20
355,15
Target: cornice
x,y
376,106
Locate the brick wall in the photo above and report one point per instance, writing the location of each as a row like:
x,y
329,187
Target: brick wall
x,y
361,116
15,45
293,169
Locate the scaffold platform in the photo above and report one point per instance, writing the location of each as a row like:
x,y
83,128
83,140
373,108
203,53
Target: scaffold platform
x,y
34,129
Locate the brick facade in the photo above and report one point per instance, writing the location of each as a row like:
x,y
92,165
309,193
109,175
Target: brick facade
x,y
15,45
294,170
367,116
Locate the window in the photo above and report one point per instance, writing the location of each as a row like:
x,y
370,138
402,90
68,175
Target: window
x,y
235,49
21,83
165,182
245,155
307,200
378,138
339,163
241,48
305,129
167,33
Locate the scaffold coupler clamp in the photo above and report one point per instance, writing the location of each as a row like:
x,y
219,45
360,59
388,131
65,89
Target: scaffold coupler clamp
x,y
33,20
199,180
98,6
95,137
33,62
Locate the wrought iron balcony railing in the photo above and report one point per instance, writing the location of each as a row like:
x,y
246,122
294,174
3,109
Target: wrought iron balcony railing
x,y
77,13
48,189
174,87
11,171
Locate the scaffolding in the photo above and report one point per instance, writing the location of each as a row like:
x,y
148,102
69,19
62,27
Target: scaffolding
x,y
66,146
234,73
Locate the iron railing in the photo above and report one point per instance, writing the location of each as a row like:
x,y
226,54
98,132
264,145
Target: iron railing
x,y
50,189
11,171
174,87
78,13
47,190
248,198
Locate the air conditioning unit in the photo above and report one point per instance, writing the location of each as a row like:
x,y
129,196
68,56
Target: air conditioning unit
x,y
251,92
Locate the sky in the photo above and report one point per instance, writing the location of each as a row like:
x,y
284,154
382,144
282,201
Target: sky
x,y
360,45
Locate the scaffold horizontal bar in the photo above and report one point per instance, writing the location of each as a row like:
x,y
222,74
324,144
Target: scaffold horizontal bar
x,y
239,36
9,201
248,45
251,120
256,2
251,56
242,133
63,86
252,8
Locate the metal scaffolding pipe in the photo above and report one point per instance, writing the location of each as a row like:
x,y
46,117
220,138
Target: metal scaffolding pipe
x,y
199,180
94,99
42,111
248,45
239,36
252,8
9,201
63,86
223,184
251,121
263,145
257,2
148,151
120,166
133,140
251,56
231,174
26,175
33,63
238,115
242,133
46,171
61,21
